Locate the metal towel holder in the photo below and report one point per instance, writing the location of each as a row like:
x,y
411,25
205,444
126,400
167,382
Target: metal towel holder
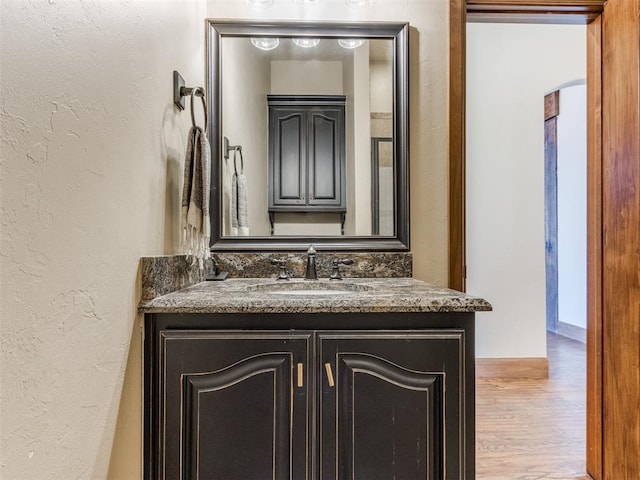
x,y
180,91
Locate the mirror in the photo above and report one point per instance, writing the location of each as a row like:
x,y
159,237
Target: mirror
x,y
308,135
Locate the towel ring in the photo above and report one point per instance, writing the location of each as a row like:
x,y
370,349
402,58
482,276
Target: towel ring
x,y
194,93
235,167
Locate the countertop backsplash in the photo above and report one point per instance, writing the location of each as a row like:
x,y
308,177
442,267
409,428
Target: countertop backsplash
x,y
167,273
366,264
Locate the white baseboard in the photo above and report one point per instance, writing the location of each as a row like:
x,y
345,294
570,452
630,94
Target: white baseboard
x,y
572,331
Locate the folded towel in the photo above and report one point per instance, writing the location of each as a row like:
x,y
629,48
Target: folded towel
x,y
239,204
196,229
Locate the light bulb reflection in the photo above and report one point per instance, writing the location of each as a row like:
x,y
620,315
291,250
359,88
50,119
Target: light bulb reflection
x,y
265,43
358,3
306,42
350,43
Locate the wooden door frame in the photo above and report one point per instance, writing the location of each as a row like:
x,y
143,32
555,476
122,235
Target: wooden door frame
x,y
587,12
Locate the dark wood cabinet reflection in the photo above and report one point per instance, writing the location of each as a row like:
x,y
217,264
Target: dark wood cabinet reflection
x,y
306,155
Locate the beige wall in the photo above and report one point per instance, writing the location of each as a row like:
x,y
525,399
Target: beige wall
x,y
361,181
428,109
91,173
91,169
246,83
306,77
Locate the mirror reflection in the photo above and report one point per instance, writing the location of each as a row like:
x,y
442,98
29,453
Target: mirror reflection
x,y
307,128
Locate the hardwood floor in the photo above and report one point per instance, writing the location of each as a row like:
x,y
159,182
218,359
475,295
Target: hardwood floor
x,y
534,429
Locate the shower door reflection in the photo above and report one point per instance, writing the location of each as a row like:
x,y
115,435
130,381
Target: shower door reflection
x,y
382,191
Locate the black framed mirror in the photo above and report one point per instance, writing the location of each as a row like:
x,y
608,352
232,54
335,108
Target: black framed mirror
x,y
293,109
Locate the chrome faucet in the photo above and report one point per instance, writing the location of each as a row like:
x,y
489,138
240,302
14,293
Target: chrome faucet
x,y
312,274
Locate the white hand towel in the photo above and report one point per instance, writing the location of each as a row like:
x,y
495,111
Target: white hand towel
x,y
196,228
239,203
243,207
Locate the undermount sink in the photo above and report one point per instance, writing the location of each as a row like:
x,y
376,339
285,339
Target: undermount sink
x,y
310,288
310,292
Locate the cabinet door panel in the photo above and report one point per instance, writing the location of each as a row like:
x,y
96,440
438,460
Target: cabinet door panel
x,y
288,141
385,416
232,406
325,161
225,401
391,438
307,153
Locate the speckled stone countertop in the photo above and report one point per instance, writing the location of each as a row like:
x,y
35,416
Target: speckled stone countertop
x,y
263,295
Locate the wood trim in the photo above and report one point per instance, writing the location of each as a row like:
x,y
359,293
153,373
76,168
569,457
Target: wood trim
x,y
551,105
594,248
534,11
457,69
537,367
545,11
621,241
531,17
546,6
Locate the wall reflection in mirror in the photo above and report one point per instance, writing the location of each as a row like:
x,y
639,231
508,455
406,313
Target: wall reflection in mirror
x,y
309,122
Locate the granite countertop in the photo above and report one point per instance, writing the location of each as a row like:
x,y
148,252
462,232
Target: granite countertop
x,y
265,295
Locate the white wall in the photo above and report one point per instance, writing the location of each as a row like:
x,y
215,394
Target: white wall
x,y
509,70
572,206
91,169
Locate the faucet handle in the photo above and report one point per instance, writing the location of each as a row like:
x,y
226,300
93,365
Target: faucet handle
x,y
282,264
335,273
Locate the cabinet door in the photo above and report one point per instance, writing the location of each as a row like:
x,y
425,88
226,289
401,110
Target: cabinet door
x,y
233,405
288,168
391,406
326,152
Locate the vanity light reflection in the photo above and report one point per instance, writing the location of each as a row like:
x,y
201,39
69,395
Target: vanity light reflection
x,y
265,43
306,42
358,3
270,43
350,43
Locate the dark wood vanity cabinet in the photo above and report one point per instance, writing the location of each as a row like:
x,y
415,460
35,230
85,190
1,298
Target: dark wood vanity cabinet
x,y
229,406
385,417
306,154
300,404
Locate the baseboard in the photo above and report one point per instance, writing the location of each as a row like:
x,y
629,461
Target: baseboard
x,y
572,331
512,367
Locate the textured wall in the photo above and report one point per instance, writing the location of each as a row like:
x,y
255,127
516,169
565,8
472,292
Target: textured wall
x,y
91,159
91,155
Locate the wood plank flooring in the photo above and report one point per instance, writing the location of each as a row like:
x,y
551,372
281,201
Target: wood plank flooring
x,y
534,429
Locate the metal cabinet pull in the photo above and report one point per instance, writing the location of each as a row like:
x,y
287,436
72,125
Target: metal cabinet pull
x,y
300,375
327,367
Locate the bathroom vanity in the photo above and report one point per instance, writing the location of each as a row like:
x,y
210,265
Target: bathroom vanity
x,y
355,379
359,379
